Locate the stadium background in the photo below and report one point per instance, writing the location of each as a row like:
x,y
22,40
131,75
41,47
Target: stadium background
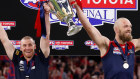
x,y
13,10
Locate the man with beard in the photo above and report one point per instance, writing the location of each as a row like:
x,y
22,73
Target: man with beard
x,y
28,63
117,55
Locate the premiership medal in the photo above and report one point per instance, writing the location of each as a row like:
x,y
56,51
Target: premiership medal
x,y
126,65
124,56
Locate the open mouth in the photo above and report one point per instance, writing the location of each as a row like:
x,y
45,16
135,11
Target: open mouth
x,y
28,52
128,32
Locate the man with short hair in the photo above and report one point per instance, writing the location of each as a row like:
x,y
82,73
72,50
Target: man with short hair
x,y
28,63
118,55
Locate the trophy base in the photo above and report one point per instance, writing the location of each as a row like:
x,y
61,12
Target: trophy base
x,y
72,30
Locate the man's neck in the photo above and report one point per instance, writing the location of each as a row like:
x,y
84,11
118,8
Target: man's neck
x,y
120,41
28,59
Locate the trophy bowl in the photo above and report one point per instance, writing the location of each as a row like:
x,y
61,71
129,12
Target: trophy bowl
x,y
63,11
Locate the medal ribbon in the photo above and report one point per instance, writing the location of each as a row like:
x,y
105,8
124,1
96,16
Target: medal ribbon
x,y
124,56
27,71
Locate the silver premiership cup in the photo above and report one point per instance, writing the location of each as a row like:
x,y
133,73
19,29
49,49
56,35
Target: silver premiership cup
x,y
64,13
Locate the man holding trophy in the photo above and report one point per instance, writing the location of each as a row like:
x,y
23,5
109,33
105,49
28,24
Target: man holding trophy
x,y
62,10
29,63
117,55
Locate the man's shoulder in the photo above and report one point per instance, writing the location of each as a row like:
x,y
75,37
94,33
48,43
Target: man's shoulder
x,y
17,52
38,51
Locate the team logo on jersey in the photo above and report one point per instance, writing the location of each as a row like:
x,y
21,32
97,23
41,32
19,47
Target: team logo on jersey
x,y
117,51
21,65
22,68
97,11
8,24
91,44
61,45
33,65
17,52
130,51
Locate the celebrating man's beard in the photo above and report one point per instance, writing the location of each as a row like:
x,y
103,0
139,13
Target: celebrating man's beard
x,y
125,37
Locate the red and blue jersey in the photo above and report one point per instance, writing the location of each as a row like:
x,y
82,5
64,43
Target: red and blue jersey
x,y
36,68
113,62
11,72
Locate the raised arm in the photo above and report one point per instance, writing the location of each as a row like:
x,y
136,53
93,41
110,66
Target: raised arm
x,y
136,42
9,48
44,42
94,34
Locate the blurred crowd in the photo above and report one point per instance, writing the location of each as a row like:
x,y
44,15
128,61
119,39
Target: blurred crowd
x,y
67,67
76,67
6,68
